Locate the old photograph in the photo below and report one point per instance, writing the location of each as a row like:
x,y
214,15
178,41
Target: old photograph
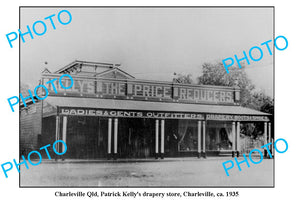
x,y
147,96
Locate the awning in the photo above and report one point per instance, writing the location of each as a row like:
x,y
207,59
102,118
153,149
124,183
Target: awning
x,y
91,103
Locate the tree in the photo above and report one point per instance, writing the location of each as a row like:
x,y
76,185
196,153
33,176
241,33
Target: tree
x,y
215,74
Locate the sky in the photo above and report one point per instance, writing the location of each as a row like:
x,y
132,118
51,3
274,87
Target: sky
x,y
149,43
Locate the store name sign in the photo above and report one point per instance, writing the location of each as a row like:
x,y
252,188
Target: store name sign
x,y
129,114
150,114
222,117
152,91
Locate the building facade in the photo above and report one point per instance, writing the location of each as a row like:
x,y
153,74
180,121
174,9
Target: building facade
x,y
107,113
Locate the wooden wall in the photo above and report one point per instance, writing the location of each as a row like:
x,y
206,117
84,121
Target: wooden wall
x,y
30,128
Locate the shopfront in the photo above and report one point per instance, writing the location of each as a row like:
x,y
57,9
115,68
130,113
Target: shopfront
x,y
110,114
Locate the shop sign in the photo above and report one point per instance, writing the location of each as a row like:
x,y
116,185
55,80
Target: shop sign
x,y
129,114
139,90
222,117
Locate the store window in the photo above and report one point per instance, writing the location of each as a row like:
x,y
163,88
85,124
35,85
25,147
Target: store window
x,y
188,135
219,136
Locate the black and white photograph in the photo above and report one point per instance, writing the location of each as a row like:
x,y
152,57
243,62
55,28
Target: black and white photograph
x,y
149,106
147,97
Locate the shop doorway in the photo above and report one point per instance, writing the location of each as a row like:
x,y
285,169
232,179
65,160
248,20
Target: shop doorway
x,y
86,137
136,138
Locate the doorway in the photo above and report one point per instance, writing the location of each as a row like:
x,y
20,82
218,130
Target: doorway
x,y
136,138
86,137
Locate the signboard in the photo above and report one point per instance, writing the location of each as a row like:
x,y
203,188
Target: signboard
x,y
143,90
128,114
157,115
222,117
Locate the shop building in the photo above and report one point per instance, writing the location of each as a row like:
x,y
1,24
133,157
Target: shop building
x,y
107,113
